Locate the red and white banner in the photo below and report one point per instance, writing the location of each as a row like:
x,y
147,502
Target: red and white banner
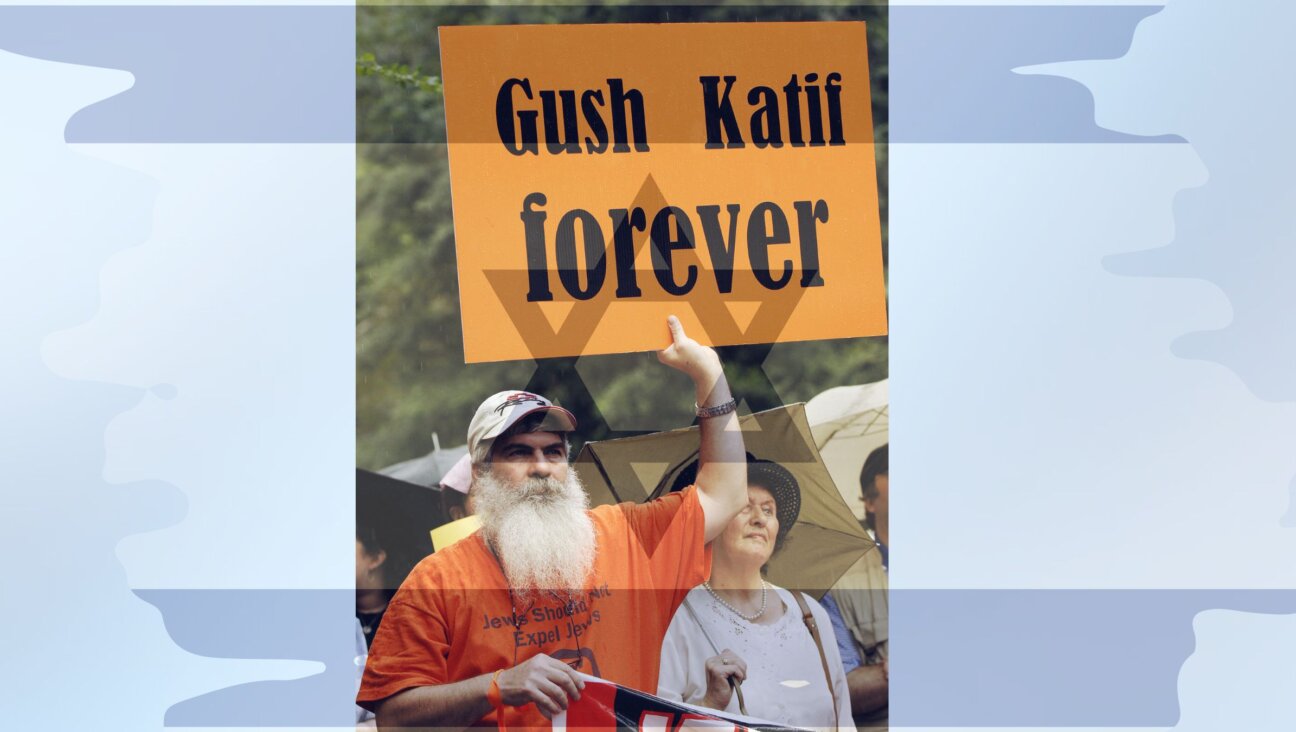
x,y
606,707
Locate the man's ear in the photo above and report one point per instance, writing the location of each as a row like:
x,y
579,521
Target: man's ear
x,y
377,559
457,512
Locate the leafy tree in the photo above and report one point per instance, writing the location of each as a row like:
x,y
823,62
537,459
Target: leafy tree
x,y
411,379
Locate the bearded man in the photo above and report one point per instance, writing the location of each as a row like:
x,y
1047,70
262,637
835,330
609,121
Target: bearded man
x,y
494,629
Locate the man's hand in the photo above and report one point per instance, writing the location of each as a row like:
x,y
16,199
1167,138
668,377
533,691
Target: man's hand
x,y
720,669
868,688
689,356
546,681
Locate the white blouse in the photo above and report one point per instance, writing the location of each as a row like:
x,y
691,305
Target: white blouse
x,y
785,677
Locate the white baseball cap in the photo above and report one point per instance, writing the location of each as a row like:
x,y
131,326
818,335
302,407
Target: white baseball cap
x,y
502,410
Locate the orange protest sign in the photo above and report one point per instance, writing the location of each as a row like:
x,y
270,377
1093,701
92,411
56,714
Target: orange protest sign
x,y
605,176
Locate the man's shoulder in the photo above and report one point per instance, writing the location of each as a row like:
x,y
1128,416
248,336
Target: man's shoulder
x,y
607,509
668,503
449,567
610,520
866,573
622,514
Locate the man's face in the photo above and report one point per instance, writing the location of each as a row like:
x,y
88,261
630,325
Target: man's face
x,y
878,505
529,455
533,512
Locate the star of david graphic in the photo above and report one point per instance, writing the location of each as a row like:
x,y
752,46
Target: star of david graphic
x,y
557,375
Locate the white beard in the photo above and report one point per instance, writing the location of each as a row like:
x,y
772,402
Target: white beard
x,y
540,530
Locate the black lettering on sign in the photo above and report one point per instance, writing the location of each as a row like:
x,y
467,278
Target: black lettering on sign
x,y
595,263
623,224
722,250
554,142
766,127
833,89
562,122
809,235
664,244
764,116
718,110
537,262
670,231
791,92
759,239
815,111
504,115
595,120
619,99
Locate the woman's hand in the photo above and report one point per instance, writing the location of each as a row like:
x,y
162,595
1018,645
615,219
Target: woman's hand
x,y
720,669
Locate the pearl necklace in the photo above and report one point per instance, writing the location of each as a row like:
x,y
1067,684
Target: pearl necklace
x,y
736,611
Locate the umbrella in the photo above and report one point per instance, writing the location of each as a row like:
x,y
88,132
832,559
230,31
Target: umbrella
x,y
848,422
823,543
402,515
428,470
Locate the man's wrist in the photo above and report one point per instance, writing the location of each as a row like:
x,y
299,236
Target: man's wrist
x,y
708,368
705,381
493,694
716,410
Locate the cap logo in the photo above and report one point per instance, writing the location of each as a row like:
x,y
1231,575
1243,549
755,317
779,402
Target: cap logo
x,y
520,397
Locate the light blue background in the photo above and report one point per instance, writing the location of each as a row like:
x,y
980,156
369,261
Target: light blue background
x,y
1092,368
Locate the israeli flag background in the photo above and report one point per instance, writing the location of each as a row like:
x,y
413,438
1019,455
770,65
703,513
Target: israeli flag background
x,y
1093,365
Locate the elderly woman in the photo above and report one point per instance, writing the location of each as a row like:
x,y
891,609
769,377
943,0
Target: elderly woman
x,y
742,645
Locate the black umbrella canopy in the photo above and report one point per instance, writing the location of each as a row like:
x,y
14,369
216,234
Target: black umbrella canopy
x,y
400,515
826,539
427,470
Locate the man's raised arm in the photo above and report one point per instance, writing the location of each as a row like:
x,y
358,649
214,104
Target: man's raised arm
x,y
722,459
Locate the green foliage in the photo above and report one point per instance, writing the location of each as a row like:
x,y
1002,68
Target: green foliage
x,y
411,379
399,74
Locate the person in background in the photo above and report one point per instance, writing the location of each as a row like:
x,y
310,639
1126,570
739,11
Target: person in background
x,y
875,484
456,493
373,594
858,606
373,589
742,645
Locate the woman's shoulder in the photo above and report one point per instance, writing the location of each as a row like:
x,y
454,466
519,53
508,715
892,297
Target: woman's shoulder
x,y
691,604
789,598
686,627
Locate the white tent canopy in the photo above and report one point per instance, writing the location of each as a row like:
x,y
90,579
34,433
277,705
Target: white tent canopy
x,y
849,422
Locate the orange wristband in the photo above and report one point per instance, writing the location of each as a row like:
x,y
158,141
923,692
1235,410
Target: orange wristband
x,y
493,693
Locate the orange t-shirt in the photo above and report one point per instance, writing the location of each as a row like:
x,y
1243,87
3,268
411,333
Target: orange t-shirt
x,y
453,618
